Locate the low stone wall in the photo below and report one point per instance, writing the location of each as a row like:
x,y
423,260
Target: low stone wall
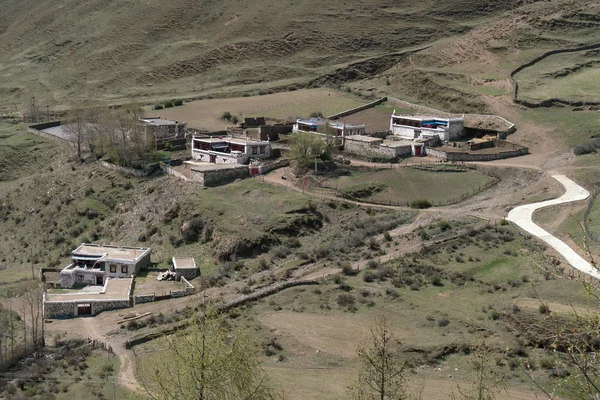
x,y
219,177
68,309
358,109
177,293
467,157
379,150
189,288
143,298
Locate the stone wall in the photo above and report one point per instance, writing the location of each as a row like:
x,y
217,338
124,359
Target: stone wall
x,y
380,150
466,157
217,177
99,306
68,309
143,298
188,287
175,131
264,169
358,109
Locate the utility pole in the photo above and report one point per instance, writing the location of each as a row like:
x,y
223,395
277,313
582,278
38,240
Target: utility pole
x,y
316,166
114,390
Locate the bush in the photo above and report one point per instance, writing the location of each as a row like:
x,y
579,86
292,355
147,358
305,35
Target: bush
x,y
368,276
235,119
316,114
226,116
547,363
436,281
544,309
444,225
420,203
177,102
168,104
444,321
387,237
348,270
345,300
158,107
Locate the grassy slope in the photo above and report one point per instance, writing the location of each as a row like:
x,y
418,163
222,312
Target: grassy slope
x,y
106,51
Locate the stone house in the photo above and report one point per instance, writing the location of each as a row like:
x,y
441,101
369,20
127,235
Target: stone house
x,y
229,150
161,128
185,266
426,127
94,264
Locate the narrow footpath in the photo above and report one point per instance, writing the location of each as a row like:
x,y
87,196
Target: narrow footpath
x,y
522,216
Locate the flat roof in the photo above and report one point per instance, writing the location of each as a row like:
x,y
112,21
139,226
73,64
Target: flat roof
x,y
114,289
158,121
363,138
112,252
184,263
230,140
427,117
401,143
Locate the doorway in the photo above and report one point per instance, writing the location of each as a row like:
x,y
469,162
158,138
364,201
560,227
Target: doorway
x,y
99,281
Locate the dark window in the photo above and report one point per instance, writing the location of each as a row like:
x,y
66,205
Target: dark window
x,y
113,268
254,150
124,269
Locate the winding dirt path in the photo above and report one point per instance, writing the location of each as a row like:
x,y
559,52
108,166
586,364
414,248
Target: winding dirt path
x,y
522,216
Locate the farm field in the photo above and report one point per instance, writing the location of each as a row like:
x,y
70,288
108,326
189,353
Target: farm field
x,y
570,76
405,184
206,114
376,119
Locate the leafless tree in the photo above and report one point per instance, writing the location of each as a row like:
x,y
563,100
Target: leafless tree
x,y
75,124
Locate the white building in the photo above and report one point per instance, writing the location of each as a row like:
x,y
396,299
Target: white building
x,y
185,266
426,127
341,128
229,150
94,264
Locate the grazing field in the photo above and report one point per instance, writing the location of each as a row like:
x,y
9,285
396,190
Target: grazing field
x,y
206,114
570,76
403,185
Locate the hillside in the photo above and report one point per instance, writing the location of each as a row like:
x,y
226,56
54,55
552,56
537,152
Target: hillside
x,y
73,51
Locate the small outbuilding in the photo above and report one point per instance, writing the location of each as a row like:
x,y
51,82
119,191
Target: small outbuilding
x,y
185,266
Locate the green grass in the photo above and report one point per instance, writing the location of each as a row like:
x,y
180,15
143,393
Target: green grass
x,y
403,185
579,83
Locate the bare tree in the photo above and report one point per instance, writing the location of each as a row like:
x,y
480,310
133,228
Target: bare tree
x,y
382,374
205,362
76,126
487,382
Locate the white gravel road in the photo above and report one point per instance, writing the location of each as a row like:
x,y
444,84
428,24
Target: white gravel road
x,y
522,217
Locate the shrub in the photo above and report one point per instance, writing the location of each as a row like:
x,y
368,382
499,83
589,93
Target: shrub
x,y
436,281
424,235
316,114
547,363
262,263
345,300
226,116
235,119
495,315
372,264
168,104
387,236
158,107
368,276
544,309
444,225
503,222
444,321
177,102
348,270
420,203
373,244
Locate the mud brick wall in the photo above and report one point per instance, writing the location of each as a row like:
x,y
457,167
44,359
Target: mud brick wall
x,y
272,132
362,148
460,156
